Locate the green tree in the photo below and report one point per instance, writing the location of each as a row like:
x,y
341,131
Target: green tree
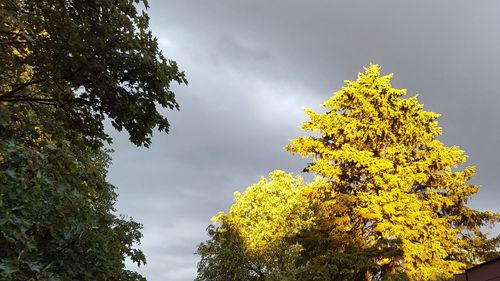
x,y
66,66
92,59
57,218
223,258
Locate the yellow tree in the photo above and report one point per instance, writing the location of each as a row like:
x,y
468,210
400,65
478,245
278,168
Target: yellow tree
x,y
391,179
259,231
269,211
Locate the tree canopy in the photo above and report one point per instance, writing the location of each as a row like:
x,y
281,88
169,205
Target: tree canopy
x,y
66,66
259,232
57,218
269,212
91,59
390,199
394,177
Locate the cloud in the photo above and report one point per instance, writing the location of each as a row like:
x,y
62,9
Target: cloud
x,y
253,66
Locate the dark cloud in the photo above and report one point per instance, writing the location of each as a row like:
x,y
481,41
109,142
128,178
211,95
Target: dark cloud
x,y
254,65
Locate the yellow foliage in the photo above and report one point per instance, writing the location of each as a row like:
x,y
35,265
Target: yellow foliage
x,y
383,181
270,211
390,177
40,137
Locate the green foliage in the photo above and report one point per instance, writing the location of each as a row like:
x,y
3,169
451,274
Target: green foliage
x,y
66,66
223,258
92,59
325,258
56,208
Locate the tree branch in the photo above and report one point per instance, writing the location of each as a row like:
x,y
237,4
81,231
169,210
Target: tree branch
x,y
46,100
11,93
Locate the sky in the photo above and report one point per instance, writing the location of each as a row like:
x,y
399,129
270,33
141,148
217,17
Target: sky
x,y
253,66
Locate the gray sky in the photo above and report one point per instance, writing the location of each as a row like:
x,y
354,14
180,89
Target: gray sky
x,y
254,65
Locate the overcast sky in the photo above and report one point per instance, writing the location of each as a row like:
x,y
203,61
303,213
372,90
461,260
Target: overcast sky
x,y
254,65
